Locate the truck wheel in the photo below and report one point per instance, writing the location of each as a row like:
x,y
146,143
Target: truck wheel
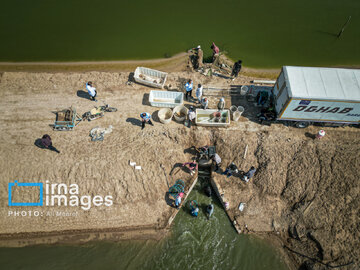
x,y
302,124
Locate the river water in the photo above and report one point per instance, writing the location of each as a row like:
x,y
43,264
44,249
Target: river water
x,y
262,33
194,243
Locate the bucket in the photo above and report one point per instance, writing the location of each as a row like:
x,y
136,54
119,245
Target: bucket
x,y
236,115
233,109
243,90
165,115
180,113
241,109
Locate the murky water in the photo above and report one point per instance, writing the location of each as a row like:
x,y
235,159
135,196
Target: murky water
x,y
260,32
195,243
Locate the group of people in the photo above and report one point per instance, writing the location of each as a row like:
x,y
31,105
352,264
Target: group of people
x,y
197,57
232,169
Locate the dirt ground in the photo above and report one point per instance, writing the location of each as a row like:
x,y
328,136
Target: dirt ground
x,y
305,191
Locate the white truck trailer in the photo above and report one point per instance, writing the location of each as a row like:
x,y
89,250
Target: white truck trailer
x,y
305,95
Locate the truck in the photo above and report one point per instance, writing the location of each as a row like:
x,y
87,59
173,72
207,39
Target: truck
x,y
306,95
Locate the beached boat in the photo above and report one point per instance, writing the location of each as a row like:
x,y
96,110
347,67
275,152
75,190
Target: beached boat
x,y
150,77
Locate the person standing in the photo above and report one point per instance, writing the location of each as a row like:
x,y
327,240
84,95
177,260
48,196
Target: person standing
x,y
215,50
200,56
91,90
204,103
198,93
191,115
210,210
217,160
145,118
236,69
47,143
221,104
248,175
189,87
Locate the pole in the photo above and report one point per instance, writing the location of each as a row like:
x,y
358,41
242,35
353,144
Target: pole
x,y
343,28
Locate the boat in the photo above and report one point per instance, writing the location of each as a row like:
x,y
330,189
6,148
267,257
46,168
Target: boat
x,y
150,77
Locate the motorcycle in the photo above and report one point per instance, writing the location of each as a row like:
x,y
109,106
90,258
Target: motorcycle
x,y
98,112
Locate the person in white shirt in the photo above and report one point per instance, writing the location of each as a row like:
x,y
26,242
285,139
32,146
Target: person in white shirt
x,y
191,115
91,90
199,92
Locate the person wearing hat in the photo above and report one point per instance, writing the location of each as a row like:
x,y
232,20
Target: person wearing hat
x,y
221,104
204,103
145,118
91,90
199,58
191,115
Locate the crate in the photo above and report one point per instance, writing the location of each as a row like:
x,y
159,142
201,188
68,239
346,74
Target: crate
x,y
204,118
165,99
150,77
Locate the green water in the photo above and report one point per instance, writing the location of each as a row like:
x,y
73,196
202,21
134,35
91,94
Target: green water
x,y
262,33
195,243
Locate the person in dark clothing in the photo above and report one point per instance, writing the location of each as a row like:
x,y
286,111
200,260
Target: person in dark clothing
x,y
207,191
248,175
231,169
47,143
236,69
210,210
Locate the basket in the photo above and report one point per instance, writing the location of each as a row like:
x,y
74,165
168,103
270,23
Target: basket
x,y
243,90
236,115
233,109
165,115
241,109
180,113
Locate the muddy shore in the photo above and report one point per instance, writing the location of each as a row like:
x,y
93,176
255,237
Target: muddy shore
x,y
305,193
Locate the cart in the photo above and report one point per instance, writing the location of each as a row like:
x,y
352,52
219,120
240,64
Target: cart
x,y
66,119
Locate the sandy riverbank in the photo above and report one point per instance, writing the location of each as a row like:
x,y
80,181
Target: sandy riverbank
x,y
176,63
304,189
